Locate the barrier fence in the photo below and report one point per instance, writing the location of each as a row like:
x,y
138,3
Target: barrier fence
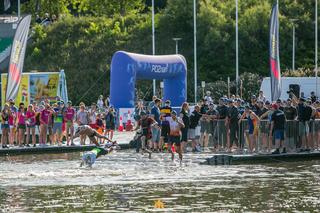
x,y
221,135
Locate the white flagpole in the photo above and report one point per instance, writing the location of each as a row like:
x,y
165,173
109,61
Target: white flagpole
x,y
195,49
153,45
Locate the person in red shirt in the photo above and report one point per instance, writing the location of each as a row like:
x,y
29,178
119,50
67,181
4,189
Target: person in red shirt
x,y
145,124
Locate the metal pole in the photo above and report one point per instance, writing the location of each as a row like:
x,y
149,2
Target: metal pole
x,y
177,47
293,46
177,43
228,87
153,45
195,49
316,46
19,10
293,42
237,51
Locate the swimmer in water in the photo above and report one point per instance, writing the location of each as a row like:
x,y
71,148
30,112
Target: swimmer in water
x,y
91,133
88,158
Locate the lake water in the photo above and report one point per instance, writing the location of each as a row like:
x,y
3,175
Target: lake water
x,y
128,182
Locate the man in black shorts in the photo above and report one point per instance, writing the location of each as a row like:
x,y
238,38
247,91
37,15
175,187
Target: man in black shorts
x,y
165,126
278,121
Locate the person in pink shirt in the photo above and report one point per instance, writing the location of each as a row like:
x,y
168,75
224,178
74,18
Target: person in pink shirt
x,y
31,124
45,115
21,124
69,116
12,122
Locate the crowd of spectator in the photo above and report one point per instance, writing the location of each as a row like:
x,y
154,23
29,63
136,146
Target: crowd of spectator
x,y
226,125
232,124
46,20
53,122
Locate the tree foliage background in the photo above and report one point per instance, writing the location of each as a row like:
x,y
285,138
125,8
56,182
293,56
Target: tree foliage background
x,y
88,32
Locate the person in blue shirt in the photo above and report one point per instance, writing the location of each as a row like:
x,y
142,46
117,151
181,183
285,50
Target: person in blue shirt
x,y
156,130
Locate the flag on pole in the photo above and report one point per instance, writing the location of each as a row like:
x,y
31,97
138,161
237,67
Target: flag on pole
x,y
7,5
17,57
275,75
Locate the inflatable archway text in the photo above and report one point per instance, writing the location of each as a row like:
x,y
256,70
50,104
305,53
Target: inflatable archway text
x,y
127,67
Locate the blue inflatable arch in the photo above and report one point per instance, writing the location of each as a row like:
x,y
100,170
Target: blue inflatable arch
x,y
127,67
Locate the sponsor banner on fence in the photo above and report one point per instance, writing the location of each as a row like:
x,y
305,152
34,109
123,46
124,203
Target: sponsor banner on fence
x,y
23,95
43,85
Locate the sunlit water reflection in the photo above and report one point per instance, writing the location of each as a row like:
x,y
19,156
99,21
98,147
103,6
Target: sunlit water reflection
x,y
125,181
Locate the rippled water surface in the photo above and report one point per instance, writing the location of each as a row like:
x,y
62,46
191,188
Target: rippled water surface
x,y
129,182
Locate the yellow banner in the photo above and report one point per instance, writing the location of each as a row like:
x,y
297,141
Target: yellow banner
x,y
33,87
43,86
23,92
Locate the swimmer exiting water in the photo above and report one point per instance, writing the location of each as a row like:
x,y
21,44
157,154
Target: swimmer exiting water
x,y
91,133
145,124
90,157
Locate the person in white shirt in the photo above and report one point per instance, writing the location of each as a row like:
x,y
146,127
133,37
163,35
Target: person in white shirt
x,y
100,102
208,98
261,97
93,115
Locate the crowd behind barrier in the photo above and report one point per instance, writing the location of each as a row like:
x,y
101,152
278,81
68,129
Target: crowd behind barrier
x,y
228,125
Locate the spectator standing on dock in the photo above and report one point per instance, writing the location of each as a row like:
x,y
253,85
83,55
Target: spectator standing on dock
x,y
317,124
212,115
253,104
107,102
57,123
313,97
221,126
151,104
278,121
92,115
310,111
208,98
261,97
194,122
12,122
204,124
233,123
304,115
100,102
69,117
50,123
265,127
252,131
21,124
82,119
45,116
31,125
5,114
110,121
290,112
